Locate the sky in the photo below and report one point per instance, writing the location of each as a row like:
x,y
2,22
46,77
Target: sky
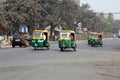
x,y
106,6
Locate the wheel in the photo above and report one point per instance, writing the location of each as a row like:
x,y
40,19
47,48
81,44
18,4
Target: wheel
x,y
75,49
101,45
62,49
20,45
48,47
35,48
25,46
92,45
13,46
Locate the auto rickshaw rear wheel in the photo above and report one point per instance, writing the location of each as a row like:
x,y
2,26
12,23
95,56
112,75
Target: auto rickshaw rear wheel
x,y
101,45
48,47
92,45
35,48
62,49
74,48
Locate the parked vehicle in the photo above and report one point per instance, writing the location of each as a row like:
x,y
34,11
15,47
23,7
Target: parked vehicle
x,y
67,39
118,35
95,39
18,40
40,39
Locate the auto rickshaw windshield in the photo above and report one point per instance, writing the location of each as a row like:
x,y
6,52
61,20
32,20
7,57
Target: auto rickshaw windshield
x,y
94,36
37,34
64,35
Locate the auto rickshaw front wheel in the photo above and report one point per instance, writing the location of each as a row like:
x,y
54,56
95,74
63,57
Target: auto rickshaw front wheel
x,y
92,45
48,47
35,48
74,48
101,45
62,49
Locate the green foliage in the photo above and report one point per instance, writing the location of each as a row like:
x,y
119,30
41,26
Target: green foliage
x,y
38,14
97,21
107,25
3,22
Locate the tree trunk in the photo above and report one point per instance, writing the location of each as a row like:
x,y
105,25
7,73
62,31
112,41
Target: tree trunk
x,y
51,31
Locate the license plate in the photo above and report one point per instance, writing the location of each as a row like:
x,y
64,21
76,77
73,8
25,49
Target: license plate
x,y
17,40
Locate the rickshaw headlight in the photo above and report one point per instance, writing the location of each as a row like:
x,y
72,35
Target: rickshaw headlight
x,y
40,40
33,41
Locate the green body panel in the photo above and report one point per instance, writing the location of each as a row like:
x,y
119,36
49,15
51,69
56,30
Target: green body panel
x,y
73,44
95,42
47,43
40,43
66,44
89,41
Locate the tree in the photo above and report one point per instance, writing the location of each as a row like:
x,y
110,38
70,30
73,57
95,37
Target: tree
x,y
60,12
38,14
3,22
87,17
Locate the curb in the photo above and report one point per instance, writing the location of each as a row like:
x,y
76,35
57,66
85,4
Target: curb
x,y
81,41
107,38
5,47
54,42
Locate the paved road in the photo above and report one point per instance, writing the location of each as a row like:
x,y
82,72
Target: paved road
x,y
87,63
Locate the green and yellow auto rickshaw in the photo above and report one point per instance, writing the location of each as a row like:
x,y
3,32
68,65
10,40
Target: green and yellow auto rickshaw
x,y
94,39
40,39
67,39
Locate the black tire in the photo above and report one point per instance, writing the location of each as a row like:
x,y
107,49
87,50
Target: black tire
x,y
61,49
101,45
13,46
48,47
20,45
92,45
35,48
75,49
25,46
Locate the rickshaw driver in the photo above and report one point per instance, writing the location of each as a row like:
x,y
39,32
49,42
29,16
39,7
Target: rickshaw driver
x,y
44,38
100,37
72,38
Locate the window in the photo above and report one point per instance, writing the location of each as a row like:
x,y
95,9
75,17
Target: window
x,y
37,34
64,35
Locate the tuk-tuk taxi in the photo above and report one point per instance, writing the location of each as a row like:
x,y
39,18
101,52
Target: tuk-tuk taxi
x,y
95,38
40,38
67,39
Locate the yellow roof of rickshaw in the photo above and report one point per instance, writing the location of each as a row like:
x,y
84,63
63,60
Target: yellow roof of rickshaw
x,y
96,33
40,31
70,31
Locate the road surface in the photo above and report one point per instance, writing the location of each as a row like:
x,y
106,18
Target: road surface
x,y
87,63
